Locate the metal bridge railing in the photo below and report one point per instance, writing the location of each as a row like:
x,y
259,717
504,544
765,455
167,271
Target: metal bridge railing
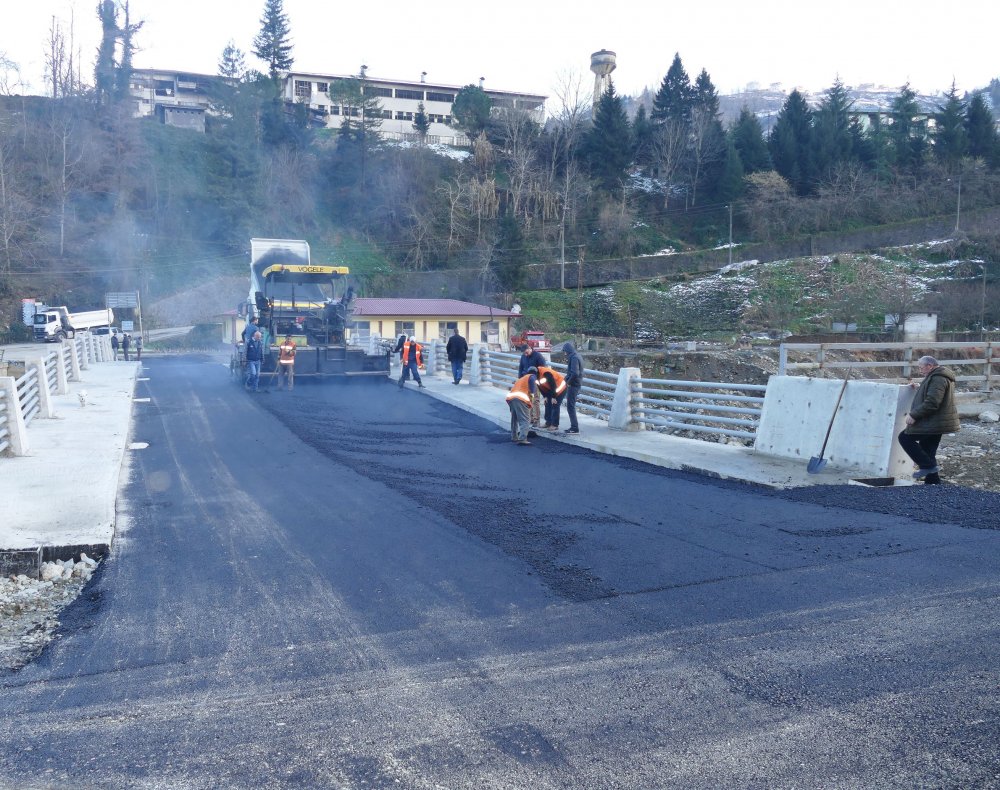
x,y
699,406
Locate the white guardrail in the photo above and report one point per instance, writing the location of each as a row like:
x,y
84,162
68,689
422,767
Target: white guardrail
x,y
626,399
28,397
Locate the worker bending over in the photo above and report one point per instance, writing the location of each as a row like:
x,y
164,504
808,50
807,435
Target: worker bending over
x,y
519,402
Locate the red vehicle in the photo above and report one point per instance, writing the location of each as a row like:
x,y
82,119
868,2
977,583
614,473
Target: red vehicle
x,y
536,340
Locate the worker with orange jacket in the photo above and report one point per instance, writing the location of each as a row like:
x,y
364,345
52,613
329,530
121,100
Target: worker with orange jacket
x,y
286,363
552,385
519,401
410,358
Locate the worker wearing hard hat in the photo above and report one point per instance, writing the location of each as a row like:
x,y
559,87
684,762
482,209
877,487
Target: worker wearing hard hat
x,y
519,401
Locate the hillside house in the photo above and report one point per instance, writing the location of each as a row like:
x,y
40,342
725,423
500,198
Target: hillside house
x,y
431,319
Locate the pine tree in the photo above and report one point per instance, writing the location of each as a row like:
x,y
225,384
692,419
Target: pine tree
x,y
674,99
271,44
748,138
833,143
980,130
950,138
471,110
608,144
706,140
907,133
421,123
232,64
730,184
104,69
642,132
790,143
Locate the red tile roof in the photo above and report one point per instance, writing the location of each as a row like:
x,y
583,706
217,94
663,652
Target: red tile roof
x,y
438,307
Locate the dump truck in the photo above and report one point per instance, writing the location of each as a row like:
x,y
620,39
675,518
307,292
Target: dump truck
x,y
290,294
57,323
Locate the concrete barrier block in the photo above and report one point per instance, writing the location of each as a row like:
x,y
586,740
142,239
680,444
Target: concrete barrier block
x,y
797,412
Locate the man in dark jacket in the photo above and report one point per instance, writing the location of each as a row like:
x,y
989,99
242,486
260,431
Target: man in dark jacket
x,y
255,355
532,358
114,345
457,349
574,380
931,415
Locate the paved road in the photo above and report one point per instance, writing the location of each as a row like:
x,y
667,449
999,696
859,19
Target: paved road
x,y
364,588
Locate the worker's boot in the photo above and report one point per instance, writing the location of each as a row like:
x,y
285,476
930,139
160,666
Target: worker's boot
x,y
401,380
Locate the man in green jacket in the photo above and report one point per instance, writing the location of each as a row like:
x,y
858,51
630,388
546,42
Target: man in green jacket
x,y
931,415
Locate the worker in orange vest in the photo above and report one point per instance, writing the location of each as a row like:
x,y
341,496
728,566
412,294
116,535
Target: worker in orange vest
x,y
286,363
519,401
552,385
411,359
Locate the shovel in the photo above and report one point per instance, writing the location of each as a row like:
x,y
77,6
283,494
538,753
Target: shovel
x,y
816,464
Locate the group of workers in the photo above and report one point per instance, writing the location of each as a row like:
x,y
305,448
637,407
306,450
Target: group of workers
x,y
126,343
253,341
537,383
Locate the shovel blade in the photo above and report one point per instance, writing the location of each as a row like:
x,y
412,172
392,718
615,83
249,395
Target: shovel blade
x,y
815,465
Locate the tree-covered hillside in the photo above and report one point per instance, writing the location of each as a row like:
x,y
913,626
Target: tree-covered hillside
x,y
93,199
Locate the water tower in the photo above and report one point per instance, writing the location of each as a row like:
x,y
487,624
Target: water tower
x,y
602,64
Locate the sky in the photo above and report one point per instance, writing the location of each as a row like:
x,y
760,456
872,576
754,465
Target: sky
x,y
539,46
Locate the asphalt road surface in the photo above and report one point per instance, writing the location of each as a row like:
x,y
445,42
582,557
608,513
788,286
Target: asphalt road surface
x,y
356,587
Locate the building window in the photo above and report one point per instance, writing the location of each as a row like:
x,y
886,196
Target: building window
x,y
404,116
408,328
374,90
335,109
446,329
447,97
323,87
303,88
405,94
387,113
490,331
361,331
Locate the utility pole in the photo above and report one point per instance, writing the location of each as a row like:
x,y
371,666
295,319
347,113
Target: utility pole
x,y
730,207
982,305
958,205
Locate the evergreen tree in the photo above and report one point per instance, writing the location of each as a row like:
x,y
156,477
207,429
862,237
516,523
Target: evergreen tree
x,y
471,110
908,130
642,133
730,183
706,153
704,95
950,138
980,130
421,123
674,99
790,143
748,138
608,144
360,129
232,64
126,35
833,143
271,44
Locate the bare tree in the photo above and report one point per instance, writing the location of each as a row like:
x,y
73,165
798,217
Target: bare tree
x,y
519,132
706,145
574,108
668,147
456,194
10,77
15,209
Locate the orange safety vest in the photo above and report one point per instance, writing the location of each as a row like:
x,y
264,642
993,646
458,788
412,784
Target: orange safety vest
x,y
404,354
543,381
287,353
522,389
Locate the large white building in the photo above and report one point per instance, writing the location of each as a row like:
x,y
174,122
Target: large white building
x,y
400,100
183,98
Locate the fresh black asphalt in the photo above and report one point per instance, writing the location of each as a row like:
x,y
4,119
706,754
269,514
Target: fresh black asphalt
x,y
357,587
